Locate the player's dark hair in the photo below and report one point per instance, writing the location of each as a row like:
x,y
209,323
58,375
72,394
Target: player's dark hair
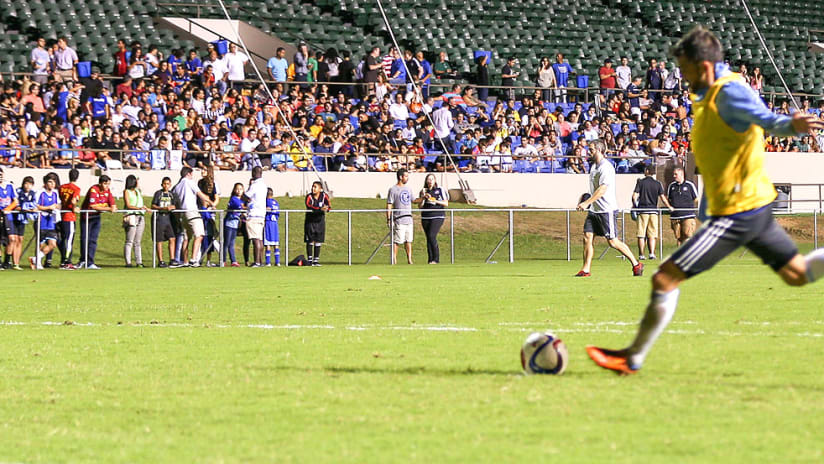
x,y
649,170
270,192
185,171
54,177
28,180
401,172
74,174
103,179
131,182
165,179
700,44
319,184
257,172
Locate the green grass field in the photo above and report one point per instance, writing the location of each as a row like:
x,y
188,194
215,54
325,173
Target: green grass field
x,y
324,365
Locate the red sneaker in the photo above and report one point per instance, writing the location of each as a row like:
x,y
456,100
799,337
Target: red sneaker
x,y
638,269
583,274
611,360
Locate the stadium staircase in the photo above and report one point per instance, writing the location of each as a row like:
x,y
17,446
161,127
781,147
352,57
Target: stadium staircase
x,y
586,31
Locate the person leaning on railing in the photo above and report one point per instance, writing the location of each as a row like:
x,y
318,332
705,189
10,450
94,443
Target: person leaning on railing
x,y
98,199
134,221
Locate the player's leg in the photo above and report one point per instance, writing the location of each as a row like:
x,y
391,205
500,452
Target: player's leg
x,y
610,231
310,252
408,247
775,247
589,251
676,230
714,241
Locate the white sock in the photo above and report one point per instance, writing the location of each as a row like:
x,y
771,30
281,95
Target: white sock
x,y
659,313
815,265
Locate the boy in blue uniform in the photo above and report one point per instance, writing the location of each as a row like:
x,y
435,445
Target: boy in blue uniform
x,y
8,202
48,203
271,236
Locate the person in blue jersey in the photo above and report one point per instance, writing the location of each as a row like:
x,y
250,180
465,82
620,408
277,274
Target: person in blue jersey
x,y
730,120
25,212
8,202
271,236
98,107
232,223
314,228
562,71
432,200
48,204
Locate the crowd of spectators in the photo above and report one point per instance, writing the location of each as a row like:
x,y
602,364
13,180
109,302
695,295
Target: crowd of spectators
x,y
164,111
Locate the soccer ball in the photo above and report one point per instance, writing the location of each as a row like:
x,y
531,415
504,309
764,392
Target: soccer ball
x,y
543,353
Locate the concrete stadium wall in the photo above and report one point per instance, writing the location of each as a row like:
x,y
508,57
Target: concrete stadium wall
x,y
494,190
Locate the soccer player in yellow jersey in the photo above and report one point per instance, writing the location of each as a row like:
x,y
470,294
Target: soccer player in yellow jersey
x,y
728,143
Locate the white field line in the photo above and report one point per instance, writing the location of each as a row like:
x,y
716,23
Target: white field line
x,y
615,327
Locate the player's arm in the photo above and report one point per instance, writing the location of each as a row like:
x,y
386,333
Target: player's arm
x,y
388,210
739,106
11,207
598,193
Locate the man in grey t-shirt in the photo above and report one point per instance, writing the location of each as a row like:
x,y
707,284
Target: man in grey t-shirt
x,y
399,212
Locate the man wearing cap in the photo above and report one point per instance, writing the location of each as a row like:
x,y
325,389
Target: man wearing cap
x,y
508,76
65,60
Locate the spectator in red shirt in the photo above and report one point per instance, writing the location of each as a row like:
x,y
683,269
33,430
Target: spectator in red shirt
x,y
121,64
99,198
69,196
124,89
609,78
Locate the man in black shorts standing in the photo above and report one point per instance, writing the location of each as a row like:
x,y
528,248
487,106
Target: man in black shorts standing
x,y
601,216
163,204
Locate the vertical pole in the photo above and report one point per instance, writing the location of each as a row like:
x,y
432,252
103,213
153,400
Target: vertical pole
x,y
86,257
623,230
660,235
511,238
452,235
219,227
568,242
391,240
819,197
154,239
286,234
815,229
349,237
37,242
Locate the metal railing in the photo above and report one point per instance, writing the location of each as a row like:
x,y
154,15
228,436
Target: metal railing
x,y
73,161
507,238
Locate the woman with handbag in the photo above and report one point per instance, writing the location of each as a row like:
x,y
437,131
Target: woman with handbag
x,y
134,221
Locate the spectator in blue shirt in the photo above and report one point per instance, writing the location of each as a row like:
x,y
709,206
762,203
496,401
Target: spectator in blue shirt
x,y
426,74
193,65
278,65
562,71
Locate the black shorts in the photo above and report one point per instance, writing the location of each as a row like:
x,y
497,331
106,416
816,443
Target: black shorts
x,y
46,235
177,229
314,231
719,236
602,224
15,227
162,230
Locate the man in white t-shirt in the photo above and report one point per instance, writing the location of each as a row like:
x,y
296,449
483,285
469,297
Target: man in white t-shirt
x,y
186,194
255,197
235,62
247,146
601,206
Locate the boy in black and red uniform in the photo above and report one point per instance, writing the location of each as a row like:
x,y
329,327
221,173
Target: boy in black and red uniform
x,y
314,228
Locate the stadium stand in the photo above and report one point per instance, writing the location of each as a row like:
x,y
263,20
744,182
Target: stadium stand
x,y
359,127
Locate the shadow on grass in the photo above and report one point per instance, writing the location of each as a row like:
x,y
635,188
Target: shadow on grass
x,y
422,371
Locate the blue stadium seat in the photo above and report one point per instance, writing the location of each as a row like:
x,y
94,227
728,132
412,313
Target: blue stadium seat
x,y
519,166
319,162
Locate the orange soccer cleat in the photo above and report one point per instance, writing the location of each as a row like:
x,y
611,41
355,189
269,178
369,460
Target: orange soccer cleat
x,y
583,274
612,360
638,269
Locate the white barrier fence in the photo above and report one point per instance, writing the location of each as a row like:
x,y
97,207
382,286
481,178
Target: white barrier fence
x,y
506,239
